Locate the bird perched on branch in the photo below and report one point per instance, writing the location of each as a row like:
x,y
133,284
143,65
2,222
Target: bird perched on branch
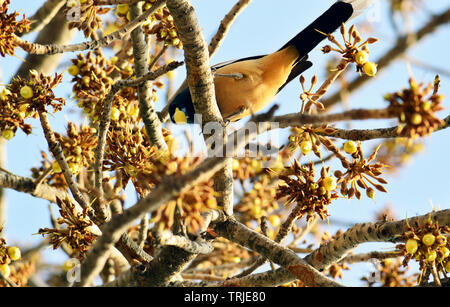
x,y
247,85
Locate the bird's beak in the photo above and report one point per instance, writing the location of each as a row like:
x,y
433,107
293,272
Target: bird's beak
x,y
180,117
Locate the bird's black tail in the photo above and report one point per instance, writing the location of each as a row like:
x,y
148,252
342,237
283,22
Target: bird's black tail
x,y
328,22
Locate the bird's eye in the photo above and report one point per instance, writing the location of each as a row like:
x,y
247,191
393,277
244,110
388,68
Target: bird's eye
x,y
180,117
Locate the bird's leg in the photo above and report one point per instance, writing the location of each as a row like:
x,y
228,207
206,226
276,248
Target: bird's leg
x,y
237,76
238,112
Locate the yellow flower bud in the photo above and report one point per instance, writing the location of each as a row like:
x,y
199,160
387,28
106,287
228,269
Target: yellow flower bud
x,y
8,134
14,253
114,59
370,193
72,3
361,57
26,92
431,255
445,252
256,165
24,107
370,69
428,239
411,246
78,150
4,93
74,167
329,183
115,114
350,147
306,147
110,28
172,167
256,211
211,202
73,70
86,80
173,33
426,105
274,220
416,119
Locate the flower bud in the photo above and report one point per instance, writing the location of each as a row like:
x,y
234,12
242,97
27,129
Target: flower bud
x,y
14,253
411,246
361,57
428,239
370,69
329,183
350,147
8,134
26,92
73,70
305,147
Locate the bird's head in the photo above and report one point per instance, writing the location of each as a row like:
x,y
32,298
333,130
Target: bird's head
x,y
181,109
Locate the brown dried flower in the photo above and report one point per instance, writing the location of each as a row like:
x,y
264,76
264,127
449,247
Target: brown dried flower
x,y
89,20
76,232
8,27
359,173
307,138
390,274
429,245
355,50
415,108
23,98
259,201
310,196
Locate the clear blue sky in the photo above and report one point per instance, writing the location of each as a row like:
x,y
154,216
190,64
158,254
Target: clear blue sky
x,y
263,27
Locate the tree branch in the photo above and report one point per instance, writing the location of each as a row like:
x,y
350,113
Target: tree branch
x,y
147,111
336,249
56,149
370,134
102,42
401,46
238,233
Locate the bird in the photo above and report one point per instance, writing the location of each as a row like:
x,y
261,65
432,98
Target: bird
x,y
247,85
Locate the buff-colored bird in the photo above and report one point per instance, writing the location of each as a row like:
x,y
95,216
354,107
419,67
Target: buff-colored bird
x,y
247,85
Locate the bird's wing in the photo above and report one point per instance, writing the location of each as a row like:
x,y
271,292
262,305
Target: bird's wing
x,y
299,68
223,64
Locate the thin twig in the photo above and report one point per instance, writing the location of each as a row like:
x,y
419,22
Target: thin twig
x,y
146,109
336,249
33,48
105,118
402,44
371,134
56,149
